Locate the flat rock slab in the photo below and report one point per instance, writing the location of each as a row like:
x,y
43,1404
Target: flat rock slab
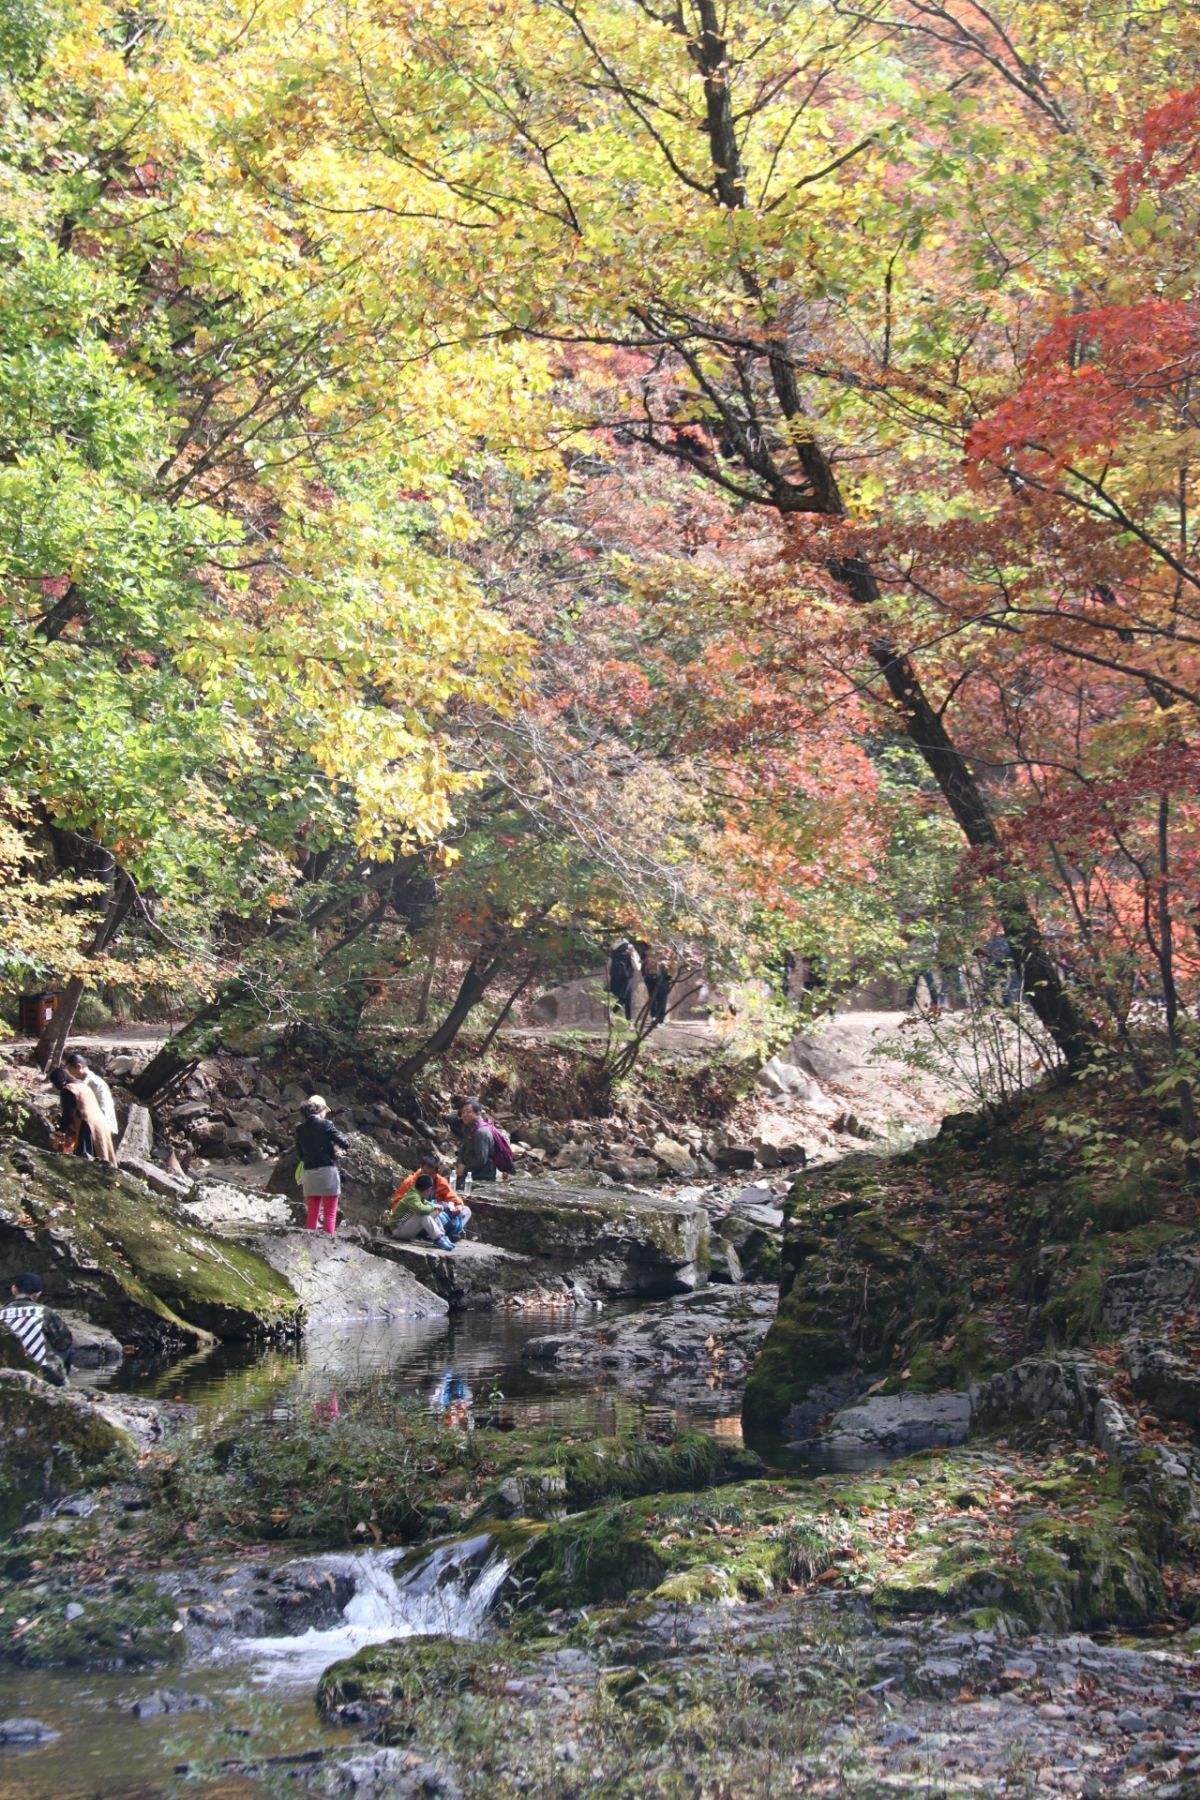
x,y
890,1425
604,1240
337,1279
228,1210
475,1276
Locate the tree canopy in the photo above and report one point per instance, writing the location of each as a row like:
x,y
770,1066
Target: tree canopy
x,y
479,479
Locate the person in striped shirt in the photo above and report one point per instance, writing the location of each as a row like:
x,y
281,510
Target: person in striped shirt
x,y
45,1338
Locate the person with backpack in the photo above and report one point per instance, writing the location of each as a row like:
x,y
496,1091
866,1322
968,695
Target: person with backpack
x,y
45,1338
483,1149
318,1141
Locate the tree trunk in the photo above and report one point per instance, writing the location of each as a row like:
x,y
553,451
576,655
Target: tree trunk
x,y
481,972
430,971
193,1038
531,974
48,1052
820,494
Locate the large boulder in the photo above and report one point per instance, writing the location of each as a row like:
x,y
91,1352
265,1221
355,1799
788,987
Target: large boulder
x,y
699,1346
853,1273
107,1247
338,1280
477,1277
368,1179
609,1242
50,1441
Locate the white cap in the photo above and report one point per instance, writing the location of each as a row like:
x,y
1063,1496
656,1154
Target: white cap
x,y
319,1101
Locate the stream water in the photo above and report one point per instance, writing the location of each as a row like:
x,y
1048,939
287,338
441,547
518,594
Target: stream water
x,y
255,1695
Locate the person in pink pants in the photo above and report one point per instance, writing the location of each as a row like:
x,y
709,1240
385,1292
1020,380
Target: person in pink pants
x,y
317,1143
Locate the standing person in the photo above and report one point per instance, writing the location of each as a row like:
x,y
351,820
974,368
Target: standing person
x,y
624,967
318,1141
935,987
45,1338
476,1147
76,1065
72,1138
656,972
84,1129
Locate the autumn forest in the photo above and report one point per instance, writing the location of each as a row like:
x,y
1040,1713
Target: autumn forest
x,y
484,482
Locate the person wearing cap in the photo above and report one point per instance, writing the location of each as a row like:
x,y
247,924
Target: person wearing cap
x,y
412,1200
318,1141
45,1338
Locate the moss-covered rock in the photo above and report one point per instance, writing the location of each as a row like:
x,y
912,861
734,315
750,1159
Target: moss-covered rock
x,y
949,1263
944,1532
108,1247
393,1691
129,1625
854,1272
51,1442
614,1468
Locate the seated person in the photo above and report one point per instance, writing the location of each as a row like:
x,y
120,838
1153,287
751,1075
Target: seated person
x,y
456,1216
416,1213
45,1338
429,1165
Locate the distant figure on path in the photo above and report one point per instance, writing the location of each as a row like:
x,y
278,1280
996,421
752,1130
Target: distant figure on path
x,y
935,987
76,1065
624,967
84,1131
1001,971
318,1141
45,1338
656,972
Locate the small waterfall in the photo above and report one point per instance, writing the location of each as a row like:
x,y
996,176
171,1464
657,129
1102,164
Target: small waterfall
x,y
450,1591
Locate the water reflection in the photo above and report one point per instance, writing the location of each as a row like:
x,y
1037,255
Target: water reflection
x,y
468,1369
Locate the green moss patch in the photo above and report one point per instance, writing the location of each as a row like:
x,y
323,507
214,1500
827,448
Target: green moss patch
x,y
106,1244
943,1532
127,1625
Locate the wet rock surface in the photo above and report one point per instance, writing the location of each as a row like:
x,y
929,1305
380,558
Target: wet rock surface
x,y
703,1342
24,1734
889,1425
251,1599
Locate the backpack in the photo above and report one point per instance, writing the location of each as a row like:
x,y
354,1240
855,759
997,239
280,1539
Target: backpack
x,y
502,1150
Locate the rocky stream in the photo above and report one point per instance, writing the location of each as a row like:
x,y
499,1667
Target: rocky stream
x,y
669,1481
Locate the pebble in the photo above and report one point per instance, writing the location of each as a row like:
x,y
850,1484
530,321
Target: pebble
x,y
25,1732
899,1733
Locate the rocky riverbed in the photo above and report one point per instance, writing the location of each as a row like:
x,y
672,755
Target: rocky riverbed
x,y
483,1523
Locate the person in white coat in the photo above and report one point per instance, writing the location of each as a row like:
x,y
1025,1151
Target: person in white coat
x,y
76,1065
